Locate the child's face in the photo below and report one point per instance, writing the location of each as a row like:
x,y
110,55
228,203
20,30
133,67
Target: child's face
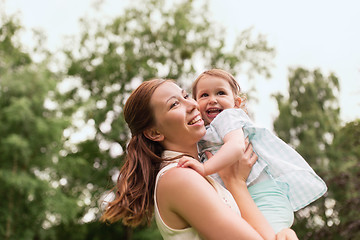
x,y
213,95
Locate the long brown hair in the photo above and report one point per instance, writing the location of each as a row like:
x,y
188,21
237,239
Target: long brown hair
x,y
134,203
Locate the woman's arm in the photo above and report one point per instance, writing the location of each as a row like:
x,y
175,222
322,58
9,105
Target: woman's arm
x,y
234,178
187,199
250,211
286,234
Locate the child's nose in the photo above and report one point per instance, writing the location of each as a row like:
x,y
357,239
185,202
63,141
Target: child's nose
x,y
212,99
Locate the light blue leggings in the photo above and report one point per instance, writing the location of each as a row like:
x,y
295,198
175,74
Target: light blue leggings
x,y
271,198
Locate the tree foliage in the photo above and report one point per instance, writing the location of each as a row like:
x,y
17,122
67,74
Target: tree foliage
x,y
31,137
344,182
309,121
309,117
150,40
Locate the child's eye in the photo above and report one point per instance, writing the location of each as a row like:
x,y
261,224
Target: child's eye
x,y
221,93
204,95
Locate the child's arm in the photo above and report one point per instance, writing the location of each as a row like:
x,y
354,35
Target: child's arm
x,y
232,150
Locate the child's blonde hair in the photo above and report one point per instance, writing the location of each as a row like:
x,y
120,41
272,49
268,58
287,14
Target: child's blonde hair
x,y
235,87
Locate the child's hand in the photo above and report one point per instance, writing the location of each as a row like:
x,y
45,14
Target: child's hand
x,y
192,163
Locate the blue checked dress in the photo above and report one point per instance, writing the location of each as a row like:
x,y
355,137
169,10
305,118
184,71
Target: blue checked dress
x,y
275,158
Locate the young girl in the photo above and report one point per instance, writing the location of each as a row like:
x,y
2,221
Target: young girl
x,y
281,181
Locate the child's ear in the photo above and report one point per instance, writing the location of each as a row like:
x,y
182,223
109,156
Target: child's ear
x,y
238,101
153,135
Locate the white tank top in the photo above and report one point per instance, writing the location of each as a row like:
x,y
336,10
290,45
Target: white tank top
x,y
190,233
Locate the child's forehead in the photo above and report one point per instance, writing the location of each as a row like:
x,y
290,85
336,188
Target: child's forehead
x,y
208,78
218,79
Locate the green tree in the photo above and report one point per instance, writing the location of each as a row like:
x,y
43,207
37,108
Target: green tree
x,y
150,39
31,137
309,116
344,184
308,120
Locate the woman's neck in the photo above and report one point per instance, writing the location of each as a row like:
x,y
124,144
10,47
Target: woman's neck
x,y
188,150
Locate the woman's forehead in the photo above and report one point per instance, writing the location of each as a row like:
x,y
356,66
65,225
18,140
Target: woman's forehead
x,y
164,93
167,89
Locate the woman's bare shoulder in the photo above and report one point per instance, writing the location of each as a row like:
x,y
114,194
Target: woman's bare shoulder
x,y
182,179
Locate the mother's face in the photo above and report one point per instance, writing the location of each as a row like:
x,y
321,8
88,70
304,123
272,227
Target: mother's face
x,y
177,117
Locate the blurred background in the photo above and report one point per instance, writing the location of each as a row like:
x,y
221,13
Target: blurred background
x,y
67,68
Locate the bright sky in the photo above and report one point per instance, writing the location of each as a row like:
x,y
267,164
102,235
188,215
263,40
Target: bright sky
x,y
321,34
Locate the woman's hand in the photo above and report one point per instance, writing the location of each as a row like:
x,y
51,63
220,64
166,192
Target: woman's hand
x,y
234,178
240,170
286,234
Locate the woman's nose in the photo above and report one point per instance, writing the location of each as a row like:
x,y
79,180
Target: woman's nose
x,y
192,104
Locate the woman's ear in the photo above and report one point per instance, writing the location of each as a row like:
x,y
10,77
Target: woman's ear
x,y
153,135
238,101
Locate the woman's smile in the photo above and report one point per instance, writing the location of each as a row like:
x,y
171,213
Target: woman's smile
x,y
196,120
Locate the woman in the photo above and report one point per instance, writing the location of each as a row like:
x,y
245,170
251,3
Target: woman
x,y
165,124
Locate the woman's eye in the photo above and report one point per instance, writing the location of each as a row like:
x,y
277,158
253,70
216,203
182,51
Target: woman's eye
x,y
186,96
174,104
